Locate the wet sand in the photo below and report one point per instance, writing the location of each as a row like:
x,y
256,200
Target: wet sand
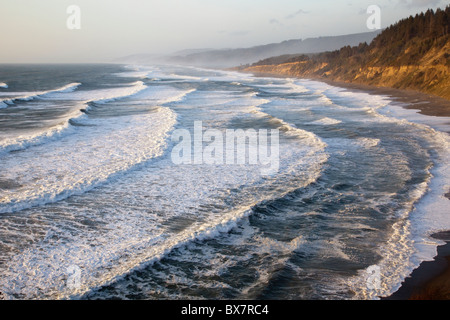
x,y
431,280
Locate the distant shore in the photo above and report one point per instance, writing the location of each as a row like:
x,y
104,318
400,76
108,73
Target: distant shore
x,y
431,279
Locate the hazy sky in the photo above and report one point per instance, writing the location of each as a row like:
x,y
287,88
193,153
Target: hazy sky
x,y
36,30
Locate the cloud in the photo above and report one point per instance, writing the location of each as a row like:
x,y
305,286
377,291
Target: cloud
x,y
293,15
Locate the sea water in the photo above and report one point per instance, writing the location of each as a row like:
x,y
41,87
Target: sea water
x,y
89,188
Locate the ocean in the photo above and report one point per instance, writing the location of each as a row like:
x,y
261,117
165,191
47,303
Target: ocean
x,y
96,204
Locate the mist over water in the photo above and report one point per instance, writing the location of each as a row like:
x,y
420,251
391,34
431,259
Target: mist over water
x,y
87,180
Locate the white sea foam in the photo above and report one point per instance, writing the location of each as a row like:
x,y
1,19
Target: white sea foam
x,y
82,100
117,145
368,142
24,141
120,93
139,237
350,99
3,85
135,232
291,129
326,121
288,86
136,72
27,96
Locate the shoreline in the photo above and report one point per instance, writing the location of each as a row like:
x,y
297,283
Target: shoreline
x,y
431,279
427,104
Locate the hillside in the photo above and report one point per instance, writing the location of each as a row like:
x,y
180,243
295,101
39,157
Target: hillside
x,y
226,58
414,54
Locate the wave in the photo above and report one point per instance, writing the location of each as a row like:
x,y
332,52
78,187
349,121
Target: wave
x,y
344,98
97,153
326,121
35,95
3,85
185,77
291,129
135,239
142,74
23,142
139,71
178,97
75,117
367,142
136,87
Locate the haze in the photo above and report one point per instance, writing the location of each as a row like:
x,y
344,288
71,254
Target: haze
x,y
36,31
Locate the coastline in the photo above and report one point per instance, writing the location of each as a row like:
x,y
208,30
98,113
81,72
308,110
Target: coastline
x,y
431,279
427,104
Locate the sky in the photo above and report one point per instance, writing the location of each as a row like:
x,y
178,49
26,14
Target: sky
x,y
43,31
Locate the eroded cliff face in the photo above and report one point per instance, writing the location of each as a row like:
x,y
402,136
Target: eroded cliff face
x,y
430,74
429,79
